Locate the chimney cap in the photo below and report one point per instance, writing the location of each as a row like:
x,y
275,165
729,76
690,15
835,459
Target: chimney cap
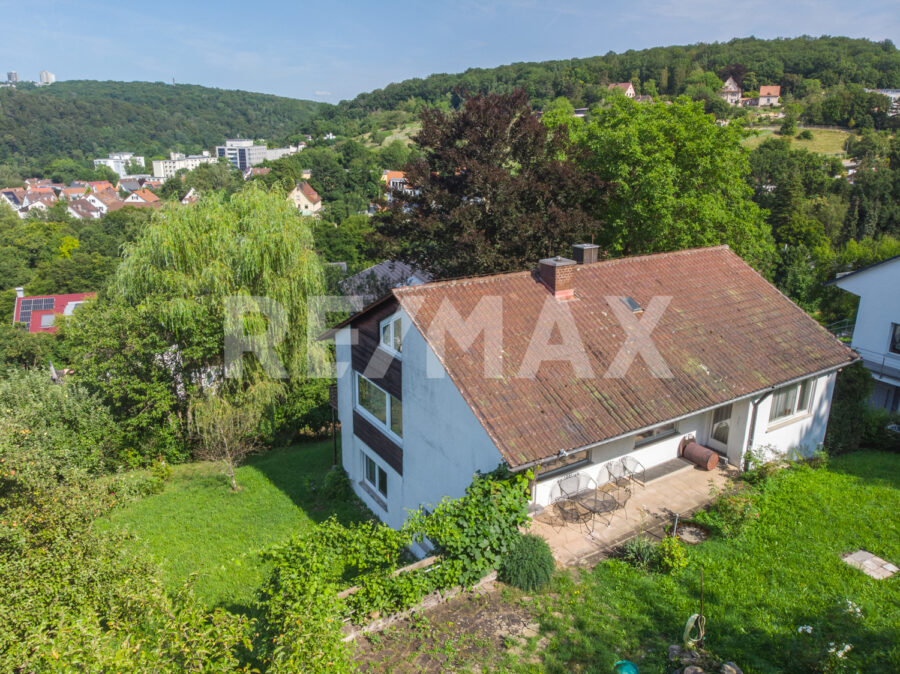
x,y
557,261
20,292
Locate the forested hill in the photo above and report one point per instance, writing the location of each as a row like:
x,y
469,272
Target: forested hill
x,y
83,119
828,59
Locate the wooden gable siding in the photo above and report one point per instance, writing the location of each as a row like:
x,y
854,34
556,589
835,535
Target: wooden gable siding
x,y
370,361
378,442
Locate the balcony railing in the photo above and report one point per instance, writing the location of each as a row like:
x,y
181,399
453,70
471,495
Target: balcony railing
x,y
881,364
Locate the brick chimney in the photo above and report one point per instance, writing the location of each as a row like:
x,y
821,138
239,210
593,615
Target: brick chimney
x,y
558,274
585,253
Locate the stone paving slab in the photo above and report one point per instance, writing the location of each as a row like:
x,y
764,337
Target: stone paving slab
x,y
649,511
871,565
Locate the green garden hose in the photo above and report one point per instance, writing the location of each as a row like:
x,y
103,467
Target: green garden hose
x,y
695,622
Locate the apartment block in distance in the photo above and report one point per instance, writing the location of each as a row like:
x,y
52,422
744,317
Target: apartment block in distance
x,y
244,153
117,162
166,168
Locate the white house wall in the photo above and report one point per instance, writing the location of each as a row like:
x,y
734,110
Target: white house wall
x,y
803,433
879,306
443,443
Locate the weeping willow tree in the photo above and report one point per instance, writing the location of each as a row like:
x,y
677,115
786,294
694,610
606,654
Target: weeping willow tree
x,y
243,268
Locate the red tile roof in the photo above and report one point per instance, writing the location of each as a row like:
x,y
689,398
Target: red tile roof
x,y
770,90
309,192
100,185
725,334
146,195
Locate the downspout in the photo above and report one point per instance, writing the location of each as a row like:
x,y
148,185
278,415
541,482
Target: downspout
x,y
752,432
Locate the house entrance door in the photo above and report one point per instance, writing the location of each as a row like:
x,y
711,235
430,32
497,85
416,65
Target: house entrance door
x,y
719,428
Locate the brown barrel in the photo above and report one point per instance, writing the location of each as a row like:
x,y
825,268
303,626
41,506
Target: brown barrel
x,y
702,456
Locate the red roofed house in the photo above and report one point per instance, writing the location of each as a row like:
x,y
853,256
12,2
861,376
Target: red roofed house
x,y
572,367
142,196
304,197
39,312
626,88
106,200
100,185
72,192
768,95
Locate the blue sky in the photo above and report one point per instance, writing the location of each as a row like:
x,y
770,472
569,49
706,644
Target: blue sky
x,y
333,50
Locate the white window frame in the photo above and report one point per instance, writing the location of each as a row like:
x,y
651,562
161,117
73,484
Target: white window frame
x,y
656,434
797,412
380,474
390,322
892,341
384,426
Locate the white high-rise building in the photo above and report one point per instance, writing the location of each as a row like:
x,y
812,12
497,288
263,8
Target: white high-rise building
x,y
12,77
47,77
117,161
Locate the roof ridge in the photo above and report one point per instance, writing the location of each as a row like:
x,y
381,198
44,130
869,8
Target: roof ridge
x,y
481,278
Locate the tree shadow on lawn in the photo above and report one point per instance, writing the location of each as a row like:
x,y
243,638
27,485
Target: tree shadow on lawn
x,y
299,471
873,467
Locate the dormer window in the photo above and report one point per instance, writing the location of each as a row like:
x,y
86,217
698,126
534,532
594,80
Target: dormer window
x,y
391,334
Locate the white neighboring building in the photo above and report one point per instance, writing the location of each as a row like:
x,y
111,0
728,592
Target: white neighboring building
x,y
438,381
876,336
117,161
47,77
244,153
166,168
730,92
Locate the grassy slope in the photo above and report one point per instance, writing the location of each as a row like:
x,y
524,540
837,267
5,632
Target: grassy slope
x,y
198,525
824,141
783,572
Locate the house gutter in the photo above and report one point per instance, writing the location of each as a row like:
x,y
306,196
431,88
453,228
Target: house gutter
x,y
762,393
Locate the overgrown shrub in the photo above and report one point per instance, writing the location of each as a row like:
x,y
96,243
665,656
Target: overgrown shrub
x,y
48,430
638,551
878,430
806,134
161,470
528,565
478,529
669,555
75,598
300,604
730,512
336,485
849,409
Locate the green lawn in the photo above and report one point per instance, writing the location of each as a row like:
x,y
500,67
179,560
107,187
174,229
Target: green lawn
x,y
824,141
782,572
198,525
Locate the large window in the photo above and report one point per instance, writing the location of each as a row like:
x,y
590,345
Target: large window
x,y
391,334
895,338
654,434
791,401
380,404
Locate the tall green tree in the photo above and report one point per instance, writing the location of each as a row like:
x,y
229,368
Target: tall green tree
x,y
676,180
169,302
